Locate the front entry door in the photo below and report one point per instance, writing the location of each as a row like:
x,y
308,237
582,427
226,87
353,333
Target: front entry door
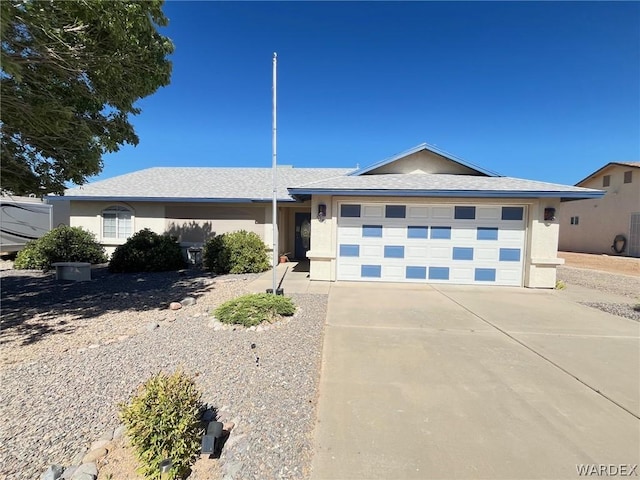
x,y
303,235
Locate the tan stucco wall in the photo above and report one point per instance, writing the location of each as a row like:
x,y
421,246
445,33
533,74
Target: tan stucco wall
x,y
88,215
542,246
423,162
195,223
600,220
540,256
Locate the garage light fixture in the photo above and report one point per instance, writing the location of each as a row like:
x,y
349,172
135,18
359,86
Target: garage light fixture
x,y
549,214
322,212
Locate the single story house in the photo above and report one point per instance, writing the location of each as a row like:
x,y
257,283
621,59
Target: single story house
x,y
420,216
610,224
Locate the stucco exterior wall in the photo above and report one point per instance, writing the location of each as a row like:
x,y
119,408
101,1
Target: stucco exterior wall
x,y
540,255
195,223
88,215
542,246
600,220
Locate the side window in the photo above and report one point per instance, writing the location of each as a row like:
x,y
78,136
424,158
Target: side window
x,y
606,180
575,220
628,176
117,222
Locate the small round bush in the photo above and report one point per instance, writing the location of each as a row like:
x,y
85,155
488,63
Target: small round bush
x,y
237,252
62,244
255,308
147,251
163,421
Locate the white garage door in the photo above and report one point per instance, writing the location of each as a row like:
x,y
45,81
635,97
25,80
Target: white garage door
x,y
461,244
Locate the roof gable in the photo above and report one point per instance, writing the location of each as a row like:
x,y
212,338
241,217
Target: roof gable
x,y
608,166
425,159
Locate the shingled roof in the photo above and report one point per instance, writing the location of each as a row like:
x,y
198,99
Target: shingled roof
x,y
199,184
440,185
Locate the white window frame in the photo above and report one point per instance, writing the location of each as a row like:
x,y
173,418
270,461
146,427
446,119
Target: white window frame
x,y
117,210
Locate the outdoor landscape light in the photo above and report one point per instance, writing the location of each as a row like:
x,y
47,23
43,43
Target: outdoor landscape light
x,y
322,212
165,468
211,442
549,214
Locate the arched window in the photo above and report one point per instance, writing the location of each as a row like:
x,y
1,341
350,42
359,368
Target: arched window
x,y
117,222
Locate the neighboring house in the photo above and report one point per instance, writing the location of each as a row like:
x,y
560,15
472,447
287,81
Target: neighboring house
x,y
610,224
421,216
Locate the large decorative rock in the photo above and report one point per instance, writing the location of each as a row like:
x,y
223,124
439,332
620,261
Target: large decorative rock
x,y
119,432
99,444
86,469
175,306
94,455
68,472
54,472
188,301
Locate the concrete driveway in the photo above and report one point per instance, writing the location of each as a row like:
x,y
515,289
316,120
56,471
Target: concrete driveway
x,y
473,382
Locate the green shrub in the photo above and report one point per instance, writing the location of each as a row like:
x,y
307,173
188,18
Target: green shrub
x,y
163,421
254,308
237,252
62,244
560,285
147,251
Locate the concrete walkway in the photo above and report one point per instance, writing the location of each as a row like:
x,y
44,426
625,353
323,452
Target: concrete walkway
x,y
293,277
472,382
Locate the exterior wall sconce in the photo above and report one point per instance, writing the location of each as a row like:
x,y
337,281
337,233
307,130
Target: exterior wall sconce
x,y
549,214
322,212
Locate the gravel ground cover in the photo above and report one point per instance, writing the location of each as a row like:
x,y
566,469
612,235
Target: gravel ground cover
x,y
624,285
71,352
620,309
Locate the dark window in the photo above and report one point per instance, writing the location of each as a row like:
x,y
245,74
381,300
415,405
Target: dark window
x,y
606,180
628,176
465,213
512,213
395,211
575,220
349,210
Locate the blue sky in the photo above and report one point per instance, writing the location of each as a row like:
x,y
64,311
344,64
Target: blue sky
x,y
542,90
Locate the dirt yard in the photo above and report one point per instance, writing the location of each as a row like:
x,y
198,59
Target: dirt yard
x,y
602,262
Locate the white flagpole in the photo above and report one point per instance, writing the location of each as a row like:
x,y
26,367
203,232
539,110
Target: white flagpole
x,y
274,208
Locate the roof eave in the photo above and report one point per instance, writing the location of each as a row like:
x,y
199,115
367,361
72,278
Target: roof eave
x,y
300,193
112,198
